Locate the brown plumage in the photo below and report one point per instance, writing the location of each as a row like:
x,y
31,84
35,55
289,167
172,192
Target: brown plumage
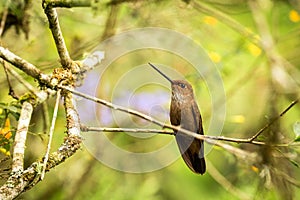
x,y
184,111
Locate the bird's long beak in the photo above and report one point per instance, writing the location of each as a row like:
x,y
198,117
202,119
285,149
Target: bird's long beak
x,y
161,73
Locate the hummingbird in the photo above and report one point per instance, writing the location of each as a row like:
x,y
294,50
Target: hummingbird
x,y
184,112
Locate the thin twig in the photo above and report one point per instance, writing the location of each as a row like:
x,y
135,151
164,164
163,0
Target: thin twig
x,y
41,95
239,153
163,125
11,91
130,130
51,131
20,138
210,139
273,120
19,78
246,156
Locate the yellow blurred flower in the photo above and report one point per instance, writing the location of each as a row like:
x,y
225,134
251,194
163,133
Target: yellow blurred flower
x,y
210,20
2,150
6,130
294,16
215,57
255,169
239,119
254,50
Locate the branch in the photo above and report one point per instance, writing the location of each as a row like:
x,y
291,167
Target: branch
x,y
281,184
23,65
239,153
129,130
92,61
67,3
20,138
246,156
41,95
163,125
20,182
11,91
31,176
87,64
273,120
73,122
57,35
19,78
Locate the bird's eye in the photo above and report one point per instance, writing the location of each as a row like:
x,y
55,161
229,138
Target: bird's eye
x,y
182,85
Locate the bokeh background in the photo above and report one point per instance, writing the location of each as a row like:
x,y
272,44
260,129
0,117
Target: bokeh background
x,y
256,91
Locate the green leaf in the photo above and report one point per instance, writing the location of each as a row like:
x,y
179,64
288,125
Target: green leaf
x,y
297,139
12,108
296,128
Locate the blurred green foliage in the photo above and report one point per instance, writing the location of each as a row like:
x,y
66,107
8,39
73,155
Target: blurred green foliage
x,y
248,79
